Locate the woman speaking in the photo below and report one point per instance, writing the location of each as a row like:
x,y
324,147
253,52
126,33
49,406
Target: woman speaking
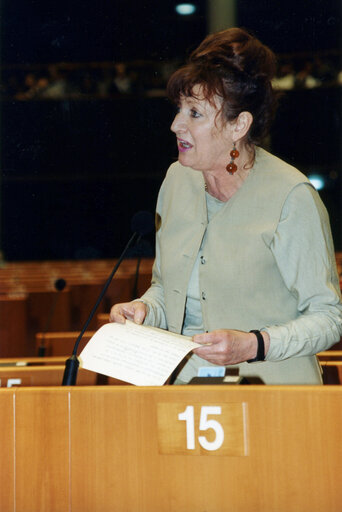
x,y
245,261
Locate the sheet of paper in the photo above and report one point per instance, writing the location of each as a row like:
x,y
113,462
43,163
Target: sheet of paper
x,y
138,354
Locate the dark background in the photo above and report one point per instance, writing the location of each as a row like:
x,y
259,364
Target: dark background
x,y
57,30
74,172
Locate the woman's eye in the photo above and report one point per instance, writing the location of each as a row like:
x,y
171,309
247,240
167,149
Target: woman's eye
x,y
194,113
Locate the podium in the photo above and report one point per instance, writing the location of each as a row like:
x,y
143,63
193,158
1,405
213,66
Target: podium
x,y
171,449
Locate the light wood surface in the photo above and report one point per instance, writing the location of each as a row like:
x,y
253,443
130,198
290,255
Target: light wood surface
x,y
47,371
98,450
61,343
42,451
42,376
7,444
13,361
331,354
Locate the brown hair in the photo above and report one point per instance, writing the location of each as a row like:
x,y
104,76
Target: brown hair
x,y
237,67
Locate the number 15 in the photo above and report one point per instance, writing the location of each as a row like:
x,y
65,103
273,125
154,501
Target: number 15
x,y
205,424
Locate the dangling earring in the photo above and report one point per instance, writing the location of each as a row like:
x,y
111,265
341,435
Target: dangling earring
x,y
232,167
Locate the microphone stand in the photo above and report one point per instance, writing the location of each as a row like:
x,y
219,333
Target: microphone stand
x,y
72,364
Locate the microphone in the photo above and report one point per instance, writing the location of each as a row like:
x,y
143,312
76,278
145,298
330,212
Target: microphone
x,y
59,285
141,224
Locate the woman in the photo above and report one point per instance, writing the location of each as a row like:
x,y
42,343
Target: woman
x,y
243,240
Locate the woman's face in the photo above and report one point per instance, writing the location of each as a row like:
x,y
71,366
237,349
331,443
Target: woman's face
x,y
204,142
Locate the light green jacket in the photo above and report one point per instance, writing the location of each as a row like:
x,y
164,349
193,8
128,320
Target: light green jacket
x,y
245,281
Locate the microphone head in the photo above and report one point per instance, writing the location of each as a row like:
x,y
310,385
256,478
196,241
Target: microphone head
x,y
142,223
60,284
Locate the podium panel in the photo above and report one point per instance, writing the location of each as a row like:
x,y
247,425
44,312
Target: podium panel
x,y
42,451
171,449
7,451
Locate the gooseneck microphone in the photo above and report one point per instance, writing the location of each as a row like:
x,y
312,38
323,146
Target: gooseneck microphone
x,y
59,285
141,224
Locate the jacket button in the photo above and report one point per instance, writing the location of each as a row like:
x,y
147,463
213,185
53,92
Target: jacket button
x,y
202,260
203,296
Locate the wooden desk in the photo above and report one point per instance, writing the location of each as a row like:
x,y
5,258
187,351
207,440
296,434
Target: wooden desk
x,y
45,375
123,449
61,343
35,283
13,324
32,361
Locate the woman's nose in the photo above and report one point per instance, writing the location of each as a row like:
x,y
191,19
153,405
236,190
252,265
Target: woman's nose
x,y
178,123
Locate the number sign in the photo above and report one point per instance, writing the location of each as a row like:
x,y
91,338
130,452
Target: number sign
x,y
202,429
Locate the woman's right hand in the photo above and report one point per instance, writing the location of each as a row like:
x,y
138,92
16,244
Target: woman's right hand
x,y
135,311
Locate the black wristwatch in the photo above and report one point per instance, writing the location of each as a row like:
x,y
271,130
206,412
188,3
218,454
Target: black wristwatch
x,y
261,348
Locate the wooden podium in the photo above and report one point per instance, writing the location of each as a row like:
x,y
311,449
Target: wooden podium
x,y
171,449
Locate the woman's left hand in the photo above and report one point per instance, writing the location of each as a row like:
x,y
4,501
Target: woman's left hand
x,y
228,346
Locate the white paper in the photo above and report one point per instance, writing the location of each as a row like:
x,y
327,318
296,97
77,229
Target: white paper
x,y
138,354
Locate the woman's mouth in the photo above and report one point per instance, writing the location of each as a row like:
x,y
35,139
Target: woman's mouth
x,y
183,145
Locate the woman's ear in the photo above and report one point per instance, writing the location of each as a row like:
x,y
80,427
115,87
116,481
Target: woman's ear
x,y
242,124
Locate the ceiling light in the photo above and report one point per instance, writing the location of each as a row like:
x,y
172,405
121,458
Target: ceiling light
x,y
185,9
317,181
